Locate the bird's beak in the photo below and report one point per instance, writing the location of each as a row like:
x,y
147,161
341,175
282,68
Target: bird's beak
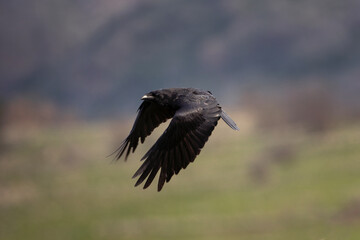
x,y
147,97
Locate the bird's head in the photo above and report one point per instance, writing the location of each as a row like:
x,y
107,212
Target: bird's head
x,y
162,97
155,96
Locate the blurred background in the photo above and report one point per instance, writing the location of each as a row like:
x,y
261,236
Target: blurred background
x,y
72,75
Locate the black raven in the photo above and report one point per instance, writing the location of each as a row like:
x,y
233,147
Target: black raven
x,y
194,114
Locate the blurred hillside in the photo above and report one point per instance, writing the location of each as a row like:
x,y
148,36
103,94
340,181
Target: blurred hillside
x,y
97,58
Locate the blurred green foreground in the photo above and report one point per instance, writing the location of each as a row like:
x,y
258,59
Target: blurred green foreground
x,y
56,183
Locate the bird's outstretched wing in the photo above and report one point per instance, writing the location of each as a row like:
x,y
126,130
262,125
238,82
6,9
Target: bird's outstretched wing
x,y
181,142
150,115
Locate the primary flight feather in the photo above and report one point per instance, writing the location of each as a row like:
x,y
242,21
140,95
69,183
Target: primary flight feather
x,y
194,114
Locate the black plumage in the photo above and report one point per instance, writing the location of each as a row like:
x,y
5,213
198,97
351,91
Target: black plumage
x,y
194,114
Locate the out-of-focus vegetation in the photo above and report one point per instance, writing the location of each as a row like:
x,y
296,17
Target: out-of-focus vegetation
x,y
57,184
292,172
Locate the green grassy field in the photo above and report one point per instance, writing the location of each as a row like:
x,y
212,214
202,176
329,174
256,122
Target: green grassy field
x,y
56,183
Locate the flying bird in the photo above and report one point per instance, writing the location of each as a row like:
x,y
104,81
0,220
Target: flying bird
x,y
194,113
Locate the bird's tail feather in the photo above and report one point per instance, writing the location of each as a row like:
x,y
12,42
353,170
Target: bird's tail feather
x,y
228,120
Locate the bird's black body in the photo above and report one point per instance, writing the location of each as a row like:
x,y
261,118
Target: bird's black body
x,y
194,114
